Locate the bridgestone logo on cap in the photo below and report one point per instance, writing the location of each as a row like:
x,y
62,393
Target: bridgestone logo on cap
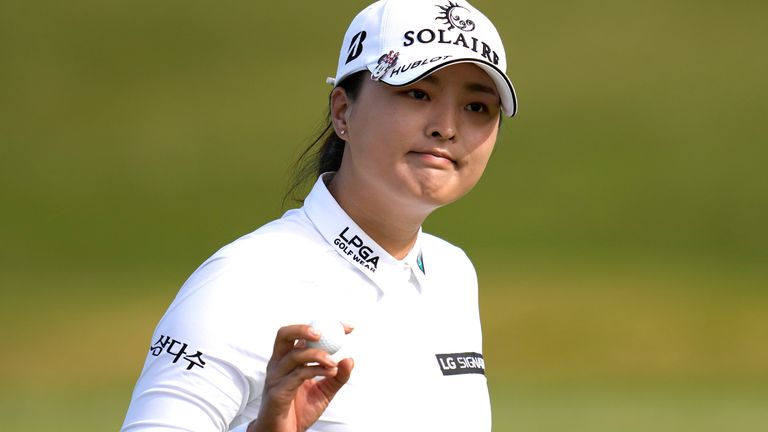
x,y
356,46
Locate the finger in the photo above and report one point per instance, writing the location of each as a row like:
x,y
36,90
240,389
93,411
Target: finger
x,y
300,357
286,338
332,384
345,371
348,328
291,383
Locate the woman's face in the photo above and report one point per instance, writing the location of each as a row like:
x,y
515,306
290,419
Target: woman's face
x,y
424,145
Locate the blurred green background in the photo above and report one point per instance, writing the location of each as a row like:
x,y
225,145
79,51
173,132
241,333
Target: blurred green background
x,y
619,232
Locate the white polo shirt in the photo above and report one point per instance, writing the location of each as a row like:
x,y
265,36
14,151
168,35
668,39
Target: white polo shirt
x,y
417,342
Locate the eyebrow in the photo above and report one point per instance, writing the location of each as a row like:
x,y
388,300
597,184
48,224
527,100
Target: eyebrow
x,y
481,88
472,86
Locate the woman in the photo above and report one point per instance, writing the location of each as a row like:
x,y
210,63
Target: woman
x,y
414,114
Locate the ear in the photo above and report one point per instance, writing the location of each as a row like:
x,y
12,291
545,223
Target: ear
x,y
340,106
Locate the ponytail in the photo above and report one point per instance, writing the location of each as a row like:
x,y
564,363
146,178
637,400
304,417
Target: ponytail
x,y
326,150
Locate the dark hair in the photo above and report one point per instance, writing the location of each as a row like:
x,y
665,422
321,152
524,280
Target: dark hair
x,y
326,150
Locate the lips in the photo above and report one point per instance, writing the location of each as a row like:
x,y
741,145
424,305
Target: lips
x,y
436,153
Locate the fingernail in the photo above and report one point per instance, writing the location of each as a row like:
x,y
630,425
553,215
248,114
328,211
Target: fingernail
x,y
314,332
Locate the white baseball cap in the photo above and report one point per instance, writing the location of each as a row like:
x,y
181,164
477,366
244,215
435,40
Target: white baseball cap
x,y
402,41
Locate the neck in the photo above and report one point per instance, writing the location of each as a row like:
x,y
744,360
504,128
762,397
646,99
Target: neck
x,y
392,226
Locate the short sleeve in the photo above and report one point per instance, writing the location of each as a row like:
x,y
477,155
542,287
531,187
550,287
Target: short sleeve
x,y
208,354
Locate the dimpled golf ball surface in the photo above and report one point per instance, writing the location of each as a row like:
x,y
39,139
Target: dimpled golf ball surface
x,y
331,335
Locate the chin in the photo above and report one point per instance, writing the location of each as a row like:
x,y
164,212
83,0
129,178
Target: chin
x,y
435,197
431,190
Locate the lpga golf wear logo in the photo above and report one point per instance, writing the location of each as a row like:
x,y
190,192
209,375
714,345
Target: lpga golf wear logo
x,y
461,363
353,246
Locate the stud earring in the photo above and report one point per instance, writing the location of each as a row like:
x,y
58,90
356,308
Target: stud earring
x,y
342,132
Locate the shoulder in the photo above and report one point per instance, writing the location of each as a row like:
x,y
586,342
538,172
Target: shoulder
x,y
256,260
293,233
242,293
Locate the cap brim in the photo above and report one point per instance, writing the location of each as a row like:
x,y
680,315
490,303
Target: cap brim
x,y
503,84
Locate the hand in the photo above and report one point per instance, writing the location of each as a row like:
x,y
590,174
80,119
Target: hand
x,y
292,400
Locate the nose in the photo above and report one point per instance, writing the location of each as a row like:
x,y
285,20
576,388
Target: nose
x,y
443,124
446,134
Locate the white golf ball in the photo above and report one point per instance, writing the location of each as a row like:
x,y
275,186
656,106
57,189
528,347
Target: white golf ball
x,y
331,335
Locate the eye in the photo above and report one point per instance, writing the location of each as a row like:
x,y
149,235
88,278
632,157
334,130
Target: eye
x,y
418,94
477,107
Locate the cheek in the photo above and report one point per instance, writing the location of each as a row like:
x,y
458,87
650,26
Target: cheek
x,y
481,154
389,139
476,170
478,161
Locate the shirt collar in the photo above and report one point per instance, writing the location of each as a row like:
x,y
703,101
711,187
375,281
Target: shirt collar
x,y
354,245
